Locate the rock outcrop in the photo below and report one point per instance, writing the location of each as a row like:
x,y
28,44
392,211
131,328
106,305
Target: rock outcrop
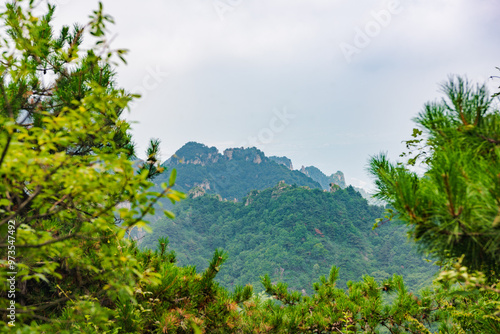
x,y
283,161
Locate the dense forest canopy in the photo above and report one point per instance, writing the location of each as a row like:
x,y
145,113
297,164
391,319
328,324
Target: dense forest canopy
x,y
293,234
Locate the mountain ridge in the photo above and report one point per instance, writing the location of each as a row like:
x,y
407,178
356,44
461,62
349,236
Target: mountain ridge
x,y
231,174
199,165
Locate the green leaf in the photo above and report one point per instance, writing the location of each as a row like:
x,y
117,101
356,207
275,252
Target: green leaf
x,y
5,202
173,176
169,214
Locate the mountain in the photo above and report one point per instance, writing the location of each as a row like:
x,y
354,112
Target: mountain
x,y
325,181
339,179
292,233
232,174
240,170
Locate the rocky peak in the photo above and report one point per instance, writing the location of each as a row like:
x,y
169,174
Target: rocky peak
x,y
282,161
195,153
250,197
205,185
231,173
338,178
199,154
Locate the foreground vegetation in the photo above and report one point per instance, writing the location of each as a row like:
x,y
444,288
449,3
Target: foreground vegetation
x,y
66,172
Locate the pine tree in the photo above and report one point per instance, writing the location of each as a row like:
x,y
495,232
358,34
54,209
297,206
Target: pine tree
x,y
453,210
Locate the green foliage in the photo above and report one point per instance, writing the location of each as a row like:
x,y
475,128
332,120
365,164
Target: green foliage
x,y
359,309
152,166
453,208
66,176
288,231
70,195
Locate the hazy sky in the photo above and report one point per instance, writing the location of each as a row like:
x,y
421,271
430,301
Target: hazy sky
x,y
324,82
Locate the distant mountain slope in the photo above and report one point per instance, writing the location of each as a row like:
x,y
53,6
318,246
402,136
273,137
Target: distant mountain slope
x,y
325,181
232,174
292,233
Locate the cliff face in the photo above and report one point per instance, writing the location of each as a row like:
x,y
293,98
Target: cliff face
x,y
246,154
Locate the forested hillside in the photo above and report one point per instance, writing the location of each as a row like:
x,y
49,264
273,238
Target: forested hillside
x,y
240,170
292,233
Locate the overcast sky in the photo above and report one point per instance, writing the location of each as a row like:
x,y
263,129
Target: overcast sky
x,y
324,82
